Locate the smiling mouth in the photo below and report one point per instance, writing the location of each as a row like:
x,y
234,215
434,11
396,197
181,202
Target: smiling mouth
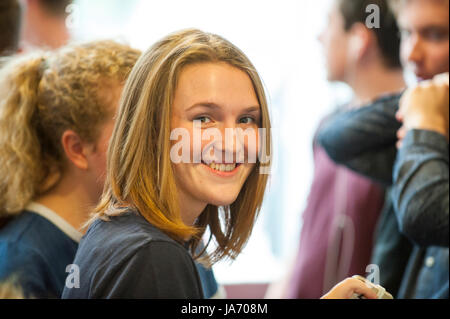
x,y
222,168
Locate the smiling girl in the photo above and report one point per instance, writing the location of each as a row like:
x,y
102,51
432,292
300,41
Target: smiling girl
x,y
154,211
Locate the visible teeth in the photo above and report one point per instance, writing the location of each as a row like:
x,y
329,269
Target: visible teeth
x,y
223,167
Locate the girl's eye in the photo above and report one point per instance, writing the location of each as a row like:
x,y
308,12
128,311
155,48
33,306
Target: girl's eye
x,y
203,119
247,120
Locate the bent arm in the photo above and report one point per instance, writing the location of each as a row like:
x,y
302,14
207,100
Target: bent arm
x,y
364,139
421,188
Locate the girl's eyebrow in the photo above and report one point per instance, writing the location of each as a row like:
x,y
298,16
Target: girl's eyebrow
x,y
216,106
204,104
252,109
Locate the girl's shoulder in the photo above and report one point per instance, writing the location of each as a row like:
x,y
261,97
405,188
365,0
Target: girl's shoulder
x,y
127,227
124,235
125,255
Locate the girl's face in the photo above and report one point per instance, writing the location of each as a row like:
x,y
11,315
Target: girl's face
x,y
217,97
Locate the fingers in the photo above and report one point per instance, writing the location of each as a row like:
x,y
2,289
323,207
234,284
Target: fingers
x,y
350,286
360,288
404,104
399,116
401,134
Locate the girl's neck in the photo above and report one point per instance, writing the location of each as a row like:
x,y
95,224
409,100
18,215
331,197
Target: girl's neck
x,y
70,200
190,208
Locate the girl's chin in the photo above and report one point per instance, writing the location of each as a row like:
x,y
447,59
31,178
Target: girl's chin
x,y
215,201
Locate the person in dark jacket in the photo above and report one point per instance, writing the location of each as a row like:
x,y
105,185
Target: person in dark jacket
x,y
343,207
365,140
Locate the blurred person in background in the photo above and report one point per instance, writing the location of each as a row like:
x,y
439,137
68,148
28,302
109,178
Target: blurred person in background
x,y
44,24
343,207
368,139
56,116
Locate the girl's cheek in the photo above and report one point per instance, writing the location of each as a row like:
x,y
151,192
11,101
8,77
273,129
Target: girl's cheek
x,y
251,147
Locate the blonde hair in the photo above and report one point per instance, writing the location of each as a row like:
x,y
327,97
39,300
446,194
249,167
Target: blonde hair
x,y
41,96
140,174
10,289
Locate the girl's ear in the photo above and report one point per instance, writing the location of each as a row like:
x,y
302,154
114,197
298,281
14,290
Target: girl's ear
x,y
75,149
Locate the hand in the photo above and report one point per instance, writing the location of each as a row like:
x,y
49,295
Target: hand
x,y
401,134
346,289
426,107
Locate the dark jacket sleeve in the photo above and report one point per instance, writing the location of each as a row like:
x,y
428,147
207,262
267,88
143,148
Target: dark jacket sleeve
x,y
364,139
158,270
421,188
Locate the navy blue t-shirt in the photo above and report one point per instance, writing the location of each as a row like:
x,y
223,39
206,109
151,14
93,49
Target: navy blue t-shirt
x,y
36,252
127,257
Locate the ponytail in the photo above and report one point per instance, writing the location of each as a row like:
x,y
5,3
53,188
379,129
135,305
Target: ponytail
x,y
20,149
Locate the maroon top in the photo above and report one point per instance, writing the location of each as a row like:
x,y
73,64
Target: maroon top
x,y
338,228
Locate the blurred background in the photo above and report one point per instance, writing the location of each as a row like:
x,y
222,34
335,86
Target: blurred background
x,y
280,38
